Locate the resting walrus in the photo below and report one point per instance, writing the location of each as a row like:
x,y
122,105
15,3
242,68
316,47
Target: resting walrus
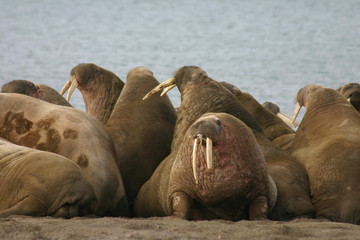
x,y
327,143
39,91
217,171
39,183
71,133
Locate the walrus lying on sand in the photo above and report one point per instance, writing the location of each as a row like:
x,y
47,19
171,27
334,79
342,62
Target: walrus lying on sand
x,y
327,143
39,183
217,171
71,133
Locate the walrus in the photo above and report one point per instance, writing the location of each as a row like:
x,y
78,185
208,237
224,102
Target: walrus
x,y
327,143
290,177
218,171
39,183
351,91
141,130
71,133
40,91
99,87
201,94
273,127
275,109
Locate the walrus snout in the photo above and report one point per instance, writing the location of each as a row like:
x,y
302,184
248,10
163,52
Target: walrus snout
x,y
208,127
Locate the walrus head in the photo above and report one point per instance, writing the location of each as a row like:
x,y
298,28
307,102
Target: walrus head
x,y
351,92
183,78
20,86
85,77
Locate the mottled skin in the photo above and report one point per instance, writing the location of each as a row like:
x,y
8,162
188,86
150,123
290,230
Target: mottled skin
x,y
327,143
201,94
39,91
99,87
273,127
39,183
71,133
142,130
351,91
290,177
237,187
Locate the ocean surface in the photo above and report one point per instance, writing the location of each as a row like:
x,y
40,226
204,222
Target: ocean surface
x,y
270,49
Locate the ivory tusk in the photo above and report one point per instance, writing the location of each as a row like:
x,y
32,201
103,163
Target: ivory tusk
x,y
167,89
165,85
296,112
287,120
72,87
65,87
194,160
349,100
209,158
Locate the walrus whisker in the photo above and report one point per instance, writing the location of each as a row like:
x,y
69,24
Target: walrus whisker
x,y
194,159
73,85
287,119
296,112
209,158
161,86
167,89
65,87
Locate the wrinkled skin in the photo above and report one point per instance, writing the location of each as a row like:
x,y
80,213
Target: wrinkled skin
x,y
327,143
290,177
201,94
39,91
351,92
39,183
142,130
99,87
236,187
71,133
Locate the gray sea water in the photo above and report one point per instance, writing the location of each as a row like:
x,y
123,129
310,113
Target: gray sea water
x,y
267,48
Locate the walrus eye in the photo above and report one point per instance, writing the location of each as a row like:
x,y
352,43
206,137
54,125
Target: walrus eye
x,y
218,122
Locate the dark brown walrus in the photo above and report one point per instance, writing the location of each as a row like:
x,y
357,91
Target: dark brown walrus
x,y
99,87
141,130
290,177
39,183
39,91
201,94
351,92
71,133
218,171
327,143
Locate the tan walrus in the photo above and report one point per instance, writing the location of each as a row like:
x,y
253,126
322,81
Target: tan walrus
x,y
327,143
71,133
217,171
39,183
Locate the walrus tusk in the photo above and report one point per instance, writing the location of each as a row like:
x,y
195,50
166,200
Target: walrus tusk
x,y
167,89
167,85
72,87
287,120
348,99
209,158
65,87
296,112
194,159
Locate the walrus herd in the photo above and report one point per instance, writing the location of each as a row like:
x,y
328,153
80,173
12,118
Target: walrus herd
x,y
220,155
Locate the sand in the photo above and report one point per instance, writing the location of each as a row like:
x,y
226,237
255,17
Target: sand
x,y
24,227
